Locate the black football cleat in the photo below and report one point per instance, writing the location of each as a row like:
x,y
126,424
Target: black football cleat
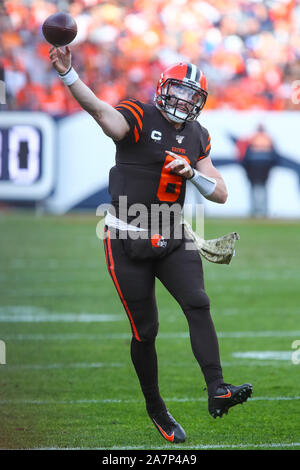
x,y
168,427
226,396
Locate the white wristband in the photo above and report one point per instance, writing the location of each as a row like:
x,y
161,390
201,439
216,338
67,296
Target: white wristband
x,y
69,77
204,184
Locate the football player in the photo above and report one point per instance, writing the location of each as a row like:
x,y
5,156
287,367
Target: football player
x,y
159,146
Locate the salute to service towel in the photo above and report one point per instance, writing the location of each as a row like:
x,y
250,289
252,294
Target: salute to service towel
x,y
218,250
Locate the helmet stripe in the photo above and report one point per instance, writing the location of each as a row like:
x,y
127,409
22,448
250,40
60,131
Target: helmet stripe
x,y
194,72
189,70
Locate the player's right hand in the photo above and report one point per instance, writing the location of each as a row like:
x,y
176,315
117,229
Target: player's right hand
x,y
61,59
179,165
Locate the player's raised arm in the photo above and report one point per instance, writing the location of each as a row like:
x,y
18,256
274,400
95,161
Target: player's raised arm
x,y
111,121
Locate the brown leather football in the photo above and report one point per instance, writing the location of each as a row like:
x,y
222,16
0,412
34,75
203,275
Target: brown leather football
x,y
59,29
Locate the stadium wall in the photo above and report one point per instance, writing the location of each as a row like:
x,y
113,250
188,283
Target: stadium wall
x,y
83,155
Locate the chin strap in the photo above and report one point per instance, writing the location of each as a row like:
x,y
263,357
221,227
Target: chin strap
x,y
218,250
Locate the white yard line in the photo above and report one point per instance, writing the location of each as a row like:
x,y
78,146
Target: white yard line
x,y
264,355
75,365
35,314
273,445
122,401
31,314
108,336
87,365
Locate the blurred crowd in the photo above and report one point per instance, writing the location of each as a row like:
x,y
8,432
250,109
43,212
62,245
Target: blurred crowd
x,y
249,50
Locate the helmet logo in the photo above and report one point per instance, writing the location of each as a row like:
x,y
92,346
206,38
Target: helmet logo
x,y
158,241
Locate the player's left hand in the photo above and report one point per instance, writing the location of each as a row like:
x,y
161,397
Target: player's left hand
x,y
179,165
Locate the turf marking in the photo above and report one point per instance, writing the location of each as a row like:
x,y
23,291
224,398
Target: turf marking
x,y
76,365
117,336
133,401
31,314
263,355
87,365
199,447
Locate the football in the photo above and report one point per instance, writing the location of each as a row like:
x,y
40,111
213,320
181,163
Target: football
x,y
59,29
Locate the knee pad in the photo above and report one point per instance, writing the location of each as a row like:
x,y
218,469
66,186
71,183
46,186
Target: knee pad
x,y
197,299
148,332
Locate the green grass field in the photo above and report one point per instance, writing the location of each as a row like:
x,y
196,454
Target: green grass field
x,y
68,381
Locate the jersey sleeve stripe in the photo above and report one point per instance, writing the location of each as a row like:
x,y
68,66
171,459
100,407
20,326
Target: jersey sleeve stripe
x,y
208,147
135,114
136,134
130,103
